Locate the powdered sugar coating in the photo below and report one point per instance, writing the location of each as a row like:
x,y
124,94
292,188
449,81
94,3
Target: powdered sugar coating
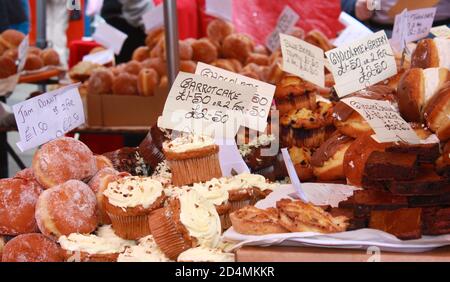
x,y
18,199
67,208
61,160
31,248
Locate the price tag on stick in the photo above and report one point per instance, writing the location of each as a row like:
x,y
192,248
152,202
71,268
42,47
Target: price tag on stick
x,y
256,117
293,175
230,158
206,106
110,37
48,116
362,63
303,59
286,21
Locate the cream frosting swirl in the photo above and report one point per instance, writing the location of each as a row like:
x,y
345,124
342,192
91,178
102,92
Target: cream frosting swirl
x,y
212,190
130,192
202,254
93,244
200,218
146,251
188,142
248,180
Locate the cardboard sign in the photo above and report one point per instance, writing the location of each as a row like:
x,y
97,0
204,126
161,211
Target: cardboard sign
x,y
110,37
354,30
293,175
48,116
362,63
256,117
441,31
154,18
303,59
286,21
22,53
222,9
384,119
101,58
230,159
206,106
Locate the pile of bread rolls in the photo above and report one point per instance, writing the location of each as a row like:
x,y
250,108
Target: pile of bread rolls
x,y
36,58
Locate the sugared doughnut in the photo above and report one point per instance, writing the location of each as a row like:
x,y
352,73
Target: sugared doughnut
x,y
67,208
8,67
237,46
218,30
125,84
33,62
156,63
148,80
262,60
34,50
141,53
13,54
133,67
32,247
18,198
154,37
100,82
204,51
98,184
164,82
158,50
102,162
61,160
28,174
188,66
50,57
185,50
11,38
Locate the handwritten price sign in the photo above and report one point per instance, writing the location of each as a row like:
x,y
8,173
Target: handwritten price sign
x,y
48,116
256,116
206,106
384,119
362,63
303,59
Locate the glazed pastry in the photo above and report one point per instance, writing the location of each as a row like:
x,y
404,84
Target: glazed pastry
x,y
32,247
125,84
327,160
204,51
416,88
148,81
67,208
100,82
18,199
202,254
301,158
129,160
128,203
253,221
317,38
259,59
237,46
61,160
431,53
436,113
187,221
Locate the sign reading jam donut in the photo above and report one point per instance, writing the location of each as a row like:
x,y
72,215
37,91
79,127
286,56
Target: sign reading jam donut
x,y
384,119
110,37
206,106
256,117
362,63
303,59
48,116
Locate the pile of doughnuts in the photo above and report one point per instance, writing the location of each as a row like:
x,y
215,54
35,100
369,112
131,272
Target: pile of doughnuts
x,y
36,58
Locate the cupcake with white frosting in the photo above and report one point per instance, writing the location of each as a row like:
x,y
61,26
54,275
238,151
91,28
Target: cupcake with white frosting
x,y
188,220
203,254
93,248
129,201
192,159
146,251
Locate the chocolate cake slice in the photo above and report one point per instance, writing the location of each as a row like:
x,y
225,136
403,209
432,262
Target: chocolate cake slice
x,y
364,201
429,201
354,222
404,224
390,166
426,153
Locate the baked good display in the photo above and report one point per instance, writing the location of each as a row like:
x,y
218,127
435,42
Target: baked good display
x,y
238,46
436,113
49,57
317,38
11,38
403,223
293,93
61,160
146,251
100,82
128,159
148,80
204,51
18,197
217,30
416,88
301,158
32,247
202,254
141,53
187,221
67,208
431,53
253,221
129,201
125,84
192,159
33,62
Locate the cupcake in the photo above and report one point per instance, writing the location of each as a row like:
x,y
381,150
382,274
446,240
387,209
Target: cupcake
x,y
128,202
217,194
202,254
92,248
192,159
146,251
187,221
163,174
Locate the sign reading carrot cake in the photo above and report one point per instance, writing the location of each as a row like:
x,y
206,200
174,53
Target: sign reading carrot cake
x,y
206,106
